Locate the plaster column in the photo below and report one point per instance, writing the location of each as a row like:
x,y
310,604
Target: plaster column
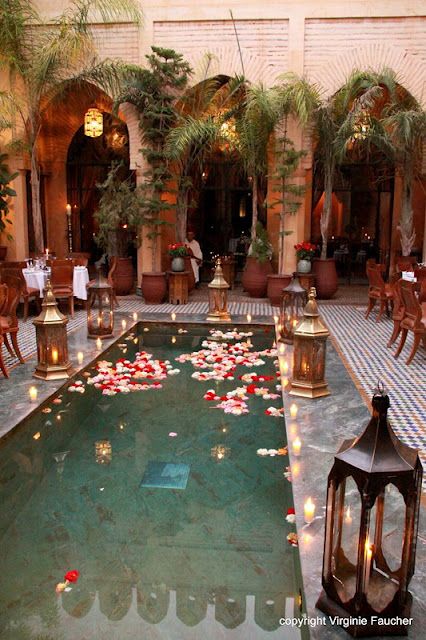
x,y
17,247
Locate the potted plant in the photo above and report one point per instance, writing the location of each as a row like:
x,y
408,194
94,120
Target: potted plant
x,y
305,252
178,251
258,264
6,192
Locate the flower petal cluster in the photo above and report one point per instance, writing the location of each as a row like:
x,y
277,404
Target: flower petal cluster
x,y
178,250
305,250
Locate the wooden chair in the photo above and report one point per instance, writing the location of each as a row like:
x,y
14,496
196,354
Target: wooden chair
x,y
8,318
3,302
378,291
81,258
398,313
60,263
414,319
62,283
28,293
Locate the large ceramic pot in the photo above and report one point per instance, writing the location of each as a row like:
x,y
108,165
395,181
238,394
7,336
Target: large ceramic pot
x,y
154,287
3,252
325,277
123,276
255,277
276,283
191,277
304,266
178,264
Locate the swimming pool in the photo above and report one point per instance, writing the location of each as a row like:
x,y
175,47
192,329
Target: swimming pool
x,y
160,499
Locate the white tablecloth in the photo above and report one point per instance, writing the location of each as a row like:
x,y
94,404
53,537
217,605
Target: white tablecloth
x,y
37,280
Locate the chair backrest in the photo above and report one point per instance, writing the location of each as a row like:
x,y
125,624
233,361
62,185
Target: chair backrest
x,y
3,298
79,254
375,280
17,264
412,307
14,291
62,275
60,263
15,273
80,261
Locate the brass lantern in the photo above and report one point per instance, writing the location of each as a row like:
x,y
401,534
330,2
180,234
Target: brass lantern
x,y
93,123
51,338
218,297
310,342
100,309
373,500
293,300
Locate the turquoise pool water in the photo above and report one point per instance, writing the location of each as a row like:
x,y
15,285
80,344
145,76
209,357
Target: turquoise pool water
x,y
208,560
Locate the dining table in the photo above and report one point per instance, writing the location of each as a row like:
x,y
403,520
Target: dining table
x,y
37,278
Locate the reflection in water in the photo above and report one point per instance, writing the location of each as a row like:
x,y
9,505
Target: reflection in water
x,y
193,562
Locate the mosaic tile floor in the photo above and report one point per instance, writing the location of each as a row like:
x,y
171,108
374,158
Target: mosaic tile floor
x,y
363,346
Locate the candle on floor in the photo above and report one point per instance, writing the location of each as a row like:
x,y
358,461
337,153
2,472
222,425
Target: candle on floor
x,y
296,446
293,410
173,316
80,356
33,393
135,316
284,368
309,510
123,324
248,316
284,382
54,356
173,339
99,344
281,349
276,319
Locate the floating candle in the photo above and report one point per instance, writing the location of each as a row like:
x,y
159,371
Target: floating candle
x,y
173,316
309,510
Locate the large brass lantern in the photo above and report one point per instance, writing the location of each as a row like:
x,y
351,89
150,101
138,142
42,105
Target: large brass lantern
x,y
100,309
93,123
218,297
292,302
51,339
373,501
310,342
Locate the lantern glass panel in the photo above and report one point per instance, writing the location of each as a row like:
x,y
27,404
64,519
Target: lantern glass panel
x,y
391,539
345,538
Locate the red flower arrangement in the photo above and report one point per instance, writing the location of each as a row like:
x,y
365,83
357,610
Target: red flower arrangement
x,y
178,250
305,250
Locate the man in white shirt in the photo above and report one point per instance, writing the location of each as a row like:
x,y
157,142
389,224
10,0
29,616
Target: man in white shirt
x,y
196,253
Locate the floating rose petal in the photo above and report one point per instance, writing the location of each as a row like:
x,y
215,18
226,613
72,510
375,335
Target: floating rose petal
x,y
172,434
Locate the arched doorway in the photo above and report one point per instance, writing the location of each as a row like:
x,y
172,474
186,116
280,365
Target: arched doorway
x,y
88,163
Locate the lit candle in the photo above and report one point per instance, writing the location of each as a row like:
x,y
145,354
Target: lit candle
x,y
33,393
292,428
135,316
80,357
296,446
37,436
173,316
295,469
54,356
295,323
368,559
123,324
282,349
279,328
173,339
348,517
293,410
275,319
309,510
248,317
47,254
284,382
99,344
68,209
284,367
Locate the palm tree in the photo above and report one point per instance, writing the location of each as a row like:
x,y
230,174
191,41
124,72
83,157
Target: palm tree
x,y
45,60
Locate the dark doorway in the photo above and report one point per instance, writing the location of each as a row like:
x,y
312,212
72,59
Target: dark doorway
x,y
88,163
361,222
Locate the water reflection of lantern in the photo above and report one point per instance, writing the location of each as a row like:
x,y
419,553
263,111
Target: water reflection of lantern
x,y
52,342
218,297
219,452
103,451
100,309
369,559
292,302
310,339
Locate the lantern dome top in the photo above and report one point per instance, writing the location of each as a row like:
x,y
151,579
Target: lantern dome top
x,y
50,314
378,450
295,286
218,281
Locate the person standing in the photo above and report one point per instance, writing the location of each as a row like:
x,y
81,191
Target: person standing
x,y
196,253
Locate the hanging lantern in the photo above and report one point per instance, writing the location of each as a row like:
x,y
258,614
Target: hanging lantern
x,y
293,301
310,342
373,501
93,123
51,339
100,309
218,297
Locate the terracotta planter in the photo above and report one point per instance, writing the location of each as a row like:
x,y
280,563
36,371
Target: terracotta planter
x,y
255,277
154,287
123,277
191,277
3,252
325,277
275,286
